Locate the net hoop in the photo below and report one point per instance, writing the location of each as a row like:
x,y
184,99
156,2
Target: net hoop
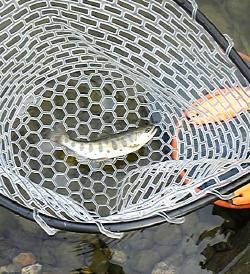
x,y
132,225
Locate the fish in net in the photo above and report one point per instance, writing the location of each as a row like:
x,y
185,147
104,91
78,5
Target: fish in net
x,y
104,67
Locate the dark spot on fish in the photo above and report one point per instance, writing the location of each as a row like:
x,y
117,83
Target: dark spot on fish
x,y
90,147
82,146
148,129
114,145
100,147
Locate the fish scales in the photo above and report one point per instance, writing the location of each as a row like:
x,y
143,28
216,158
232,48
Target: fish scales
x,y
118,145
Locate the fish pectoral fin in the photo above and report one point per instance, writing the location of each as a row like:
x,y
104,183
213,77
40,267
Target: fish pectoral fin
x,y
81,159
95,164
134,145
100,159
107,161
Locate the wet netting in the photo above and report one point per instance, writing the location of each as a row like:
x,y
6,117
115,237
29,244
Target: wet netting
x,y
104,67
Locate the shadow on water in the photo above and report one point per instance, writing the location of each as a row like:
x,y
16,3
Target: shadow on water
x,y
227,253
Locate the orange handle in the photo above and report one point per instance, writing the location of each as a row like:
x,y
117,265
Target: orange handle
x,y
243,199
243,194
240,202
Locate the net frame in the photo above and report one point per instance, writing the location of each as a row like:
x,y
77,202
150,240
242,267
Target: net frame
x,y
136,224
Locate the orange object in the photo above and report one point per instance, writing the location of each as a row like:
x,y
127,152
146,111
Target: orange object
x,y
230,205
241,201
173,143
223,104
243,195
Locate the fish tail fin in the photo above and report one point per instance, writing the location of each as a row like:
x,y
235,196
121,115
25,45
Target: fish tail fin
x,y
57,133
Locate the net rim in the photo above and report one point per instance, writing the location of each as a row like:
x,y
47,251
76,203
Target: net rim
x,y
120,226
218,37
154,220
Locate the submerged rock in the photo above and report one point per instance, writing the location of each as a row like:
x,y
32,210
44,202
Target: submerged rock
x,y
48,252
56,270
145,260
167,234
32,269
29,226
163,268
140,243
118,256
191,224
25,258
11,268
189,246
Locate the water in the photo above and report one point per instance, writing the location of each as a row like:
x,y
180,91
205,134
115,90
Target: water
x,y
212,240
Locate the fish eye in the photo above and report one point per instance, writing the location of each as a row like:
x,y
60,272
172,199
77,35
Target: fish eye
x,y
148,129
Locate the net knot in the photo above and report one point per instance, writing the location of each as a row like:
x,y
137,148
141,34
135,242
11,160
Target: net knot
x,y
230,44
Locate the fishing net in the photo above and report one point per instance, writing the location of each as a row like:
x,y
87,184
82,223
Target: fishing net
x,y
104,67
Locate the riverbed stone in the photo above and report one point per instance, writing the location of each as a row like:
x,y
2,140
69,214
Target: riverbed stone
x,y
140,243
176,258
189,246
144,260
165,251
29,226
191,224
163,268
54,270
10,268
24,259
22,239
32,269
69,251
167,234
118,256
48,252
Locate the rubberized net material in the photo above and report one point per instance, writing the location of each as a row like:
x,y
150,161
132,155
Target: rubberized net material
x,y
104,67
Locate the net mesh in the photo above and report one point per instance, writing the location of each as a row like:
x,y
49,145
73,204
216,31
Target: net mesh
x,y
103,67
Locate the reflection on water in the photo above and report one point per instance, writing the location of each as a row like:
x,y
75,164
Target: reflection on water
x,y
212,240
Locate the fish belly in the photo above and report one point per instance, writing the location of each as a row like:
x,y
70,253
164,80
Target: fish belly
x,y
103,149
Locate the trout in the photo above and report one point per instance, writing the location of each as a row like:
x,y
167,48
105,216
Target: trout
x,y
115,146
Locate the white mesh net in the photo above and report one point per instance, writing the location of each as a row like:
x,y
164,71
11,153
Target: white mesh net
x,y
103,67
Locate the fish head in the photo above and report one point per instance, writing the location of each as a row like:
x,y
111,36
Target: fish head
x,y
148,132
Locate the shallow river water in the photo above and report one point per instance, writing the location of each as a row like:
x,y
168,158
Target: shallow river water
x,y
212,240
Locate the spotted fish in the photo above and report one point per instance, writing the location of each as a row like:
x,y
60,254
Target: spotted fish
x,y
118,145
